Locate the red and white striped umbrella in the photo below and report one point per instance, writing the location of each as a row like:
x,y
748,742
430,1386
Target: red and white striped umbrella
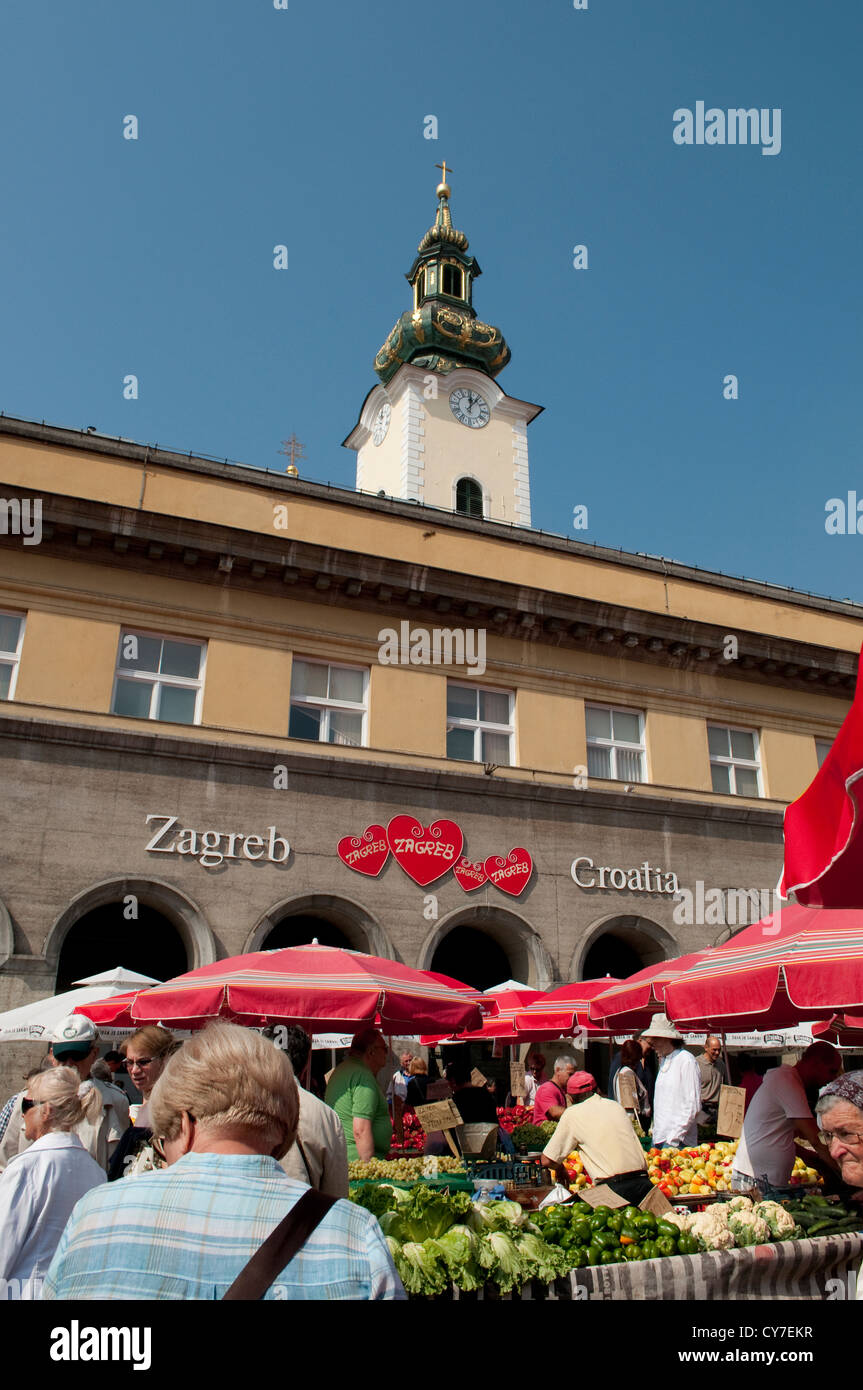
x,y
630,1004
319,987
499,1027
845,1030
797,966
562,1012
823,841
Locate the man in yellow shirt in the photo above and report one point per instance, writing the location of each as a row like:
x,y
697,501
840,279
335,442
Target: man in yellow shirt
x,y
602,1132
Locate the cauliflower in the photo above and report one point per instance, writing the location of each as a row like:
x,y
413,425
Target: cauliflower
x,y
748,1229
710,1229
682,1222
780,1221
740,1204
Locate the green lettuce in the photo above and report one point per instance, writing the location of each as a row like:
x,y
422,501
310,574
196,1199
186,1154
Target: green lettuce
x,y
422,1268
498,1254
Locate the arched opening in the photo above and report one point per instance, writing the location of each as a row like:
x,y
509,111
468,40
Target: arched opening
x,y
142,924
620,946
468,498
301,930
472,956
334,921
148,943
484,946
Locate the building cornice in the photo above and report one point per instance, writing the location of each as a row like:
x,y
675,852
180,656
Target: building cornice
x,y
187,549
442,518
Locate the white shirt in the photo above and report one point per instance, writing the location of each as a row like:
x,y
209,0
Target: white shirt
x,y
323,1139
767,1143
397,1087
677,1100
37,1193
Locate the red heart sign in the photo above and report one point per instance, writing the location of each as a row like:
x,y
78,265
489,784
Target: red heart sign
x,y
424,852
470,875
366,853
511,874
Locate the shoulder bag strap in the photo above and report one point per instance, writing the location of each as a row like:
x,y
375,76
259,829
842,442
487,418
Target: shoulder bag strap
x,y
305,1161
280,1247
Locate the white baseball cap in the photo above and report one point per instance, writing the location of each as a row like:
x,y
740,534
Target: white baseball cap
x,y
75,1033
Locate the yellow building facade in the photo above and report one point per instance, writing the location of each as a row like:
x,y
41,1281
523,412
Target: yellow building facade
x,y
193,649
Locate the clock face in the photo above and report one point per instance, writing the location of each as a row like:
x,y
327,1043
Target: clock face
x,y
382,423
469,408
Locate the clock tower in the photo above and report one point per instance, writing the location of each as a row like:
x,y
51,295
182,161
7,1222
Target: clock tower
x,y
438,429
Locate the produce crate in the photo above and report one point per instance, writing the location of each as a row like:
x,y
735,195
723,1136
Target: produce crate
x,y
521,1172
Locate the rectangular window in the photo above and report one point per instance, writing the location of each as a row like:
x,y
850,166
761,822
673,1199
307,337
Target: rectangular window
x,y
11,639
615,743
479,726
734,764
328,703
159,678
822,748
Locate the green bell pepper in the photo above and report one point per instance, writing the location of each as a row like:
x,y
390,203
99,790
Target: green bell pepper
x,y
594,1254
581,1230
666,1245
606,1240
615,1222
687,1244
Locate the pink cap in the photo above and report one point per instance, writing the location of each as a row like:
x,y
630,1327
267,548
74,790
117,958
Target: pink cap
x,y
579,1082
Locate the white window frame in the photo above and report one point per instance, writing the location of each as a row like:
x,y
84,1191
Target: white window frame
x,y
732,763
13,659
177,682
483,726
325,704
613,744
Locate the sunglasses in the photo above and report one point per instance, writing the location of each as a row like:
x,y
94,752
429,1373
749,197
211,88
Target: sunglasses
x,y
158,1141
27,1104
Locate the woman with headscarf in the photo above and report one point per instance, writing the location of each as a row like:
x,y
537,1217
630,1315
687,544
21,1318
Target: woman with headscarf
x,y
40,1186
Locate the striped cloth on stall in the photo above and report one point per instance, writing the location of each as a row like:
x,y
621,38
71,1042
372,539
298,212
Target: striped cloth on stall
x,y
793,1270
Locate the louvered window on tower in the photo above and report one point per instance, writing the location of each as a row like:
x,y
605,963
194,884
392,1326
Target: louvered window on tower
x,y
468,497
452,281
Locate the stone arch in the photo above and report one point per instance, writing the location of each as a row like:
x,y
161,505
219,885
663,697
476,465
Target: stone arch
x,y
646,938
523,946
184,914
362,930
7,934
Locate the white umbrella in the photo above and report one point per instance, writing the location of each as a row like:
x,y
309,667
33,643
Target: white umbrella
x,y
36,1021
120,976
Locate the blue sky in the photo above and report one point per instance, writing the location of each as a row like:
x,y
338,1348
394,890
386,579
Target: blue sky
x,y
305,127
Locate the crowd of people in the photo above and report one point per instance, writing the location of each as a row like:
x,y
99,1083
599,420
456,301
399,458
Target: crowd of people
x,y
229,1178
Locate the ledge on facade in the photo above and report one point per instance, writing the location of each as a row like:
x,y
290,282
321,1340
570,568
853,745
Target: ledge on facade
x,y
649,801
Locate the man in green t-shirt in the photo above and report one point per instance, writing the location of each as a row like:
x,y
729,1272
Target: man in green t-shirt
x,y
359,1102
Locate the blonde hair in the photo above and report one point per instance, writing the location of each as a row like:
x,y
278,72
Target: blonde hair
x,y
60,1088
156,1040
418,1067
228,1077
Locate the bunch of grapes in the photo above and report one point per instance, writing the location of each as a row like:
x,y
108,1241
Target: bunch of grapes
x,y
399,1169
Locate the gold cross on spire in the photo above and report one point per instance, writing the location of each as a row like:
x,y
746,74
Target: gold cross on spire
x,y
443,182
